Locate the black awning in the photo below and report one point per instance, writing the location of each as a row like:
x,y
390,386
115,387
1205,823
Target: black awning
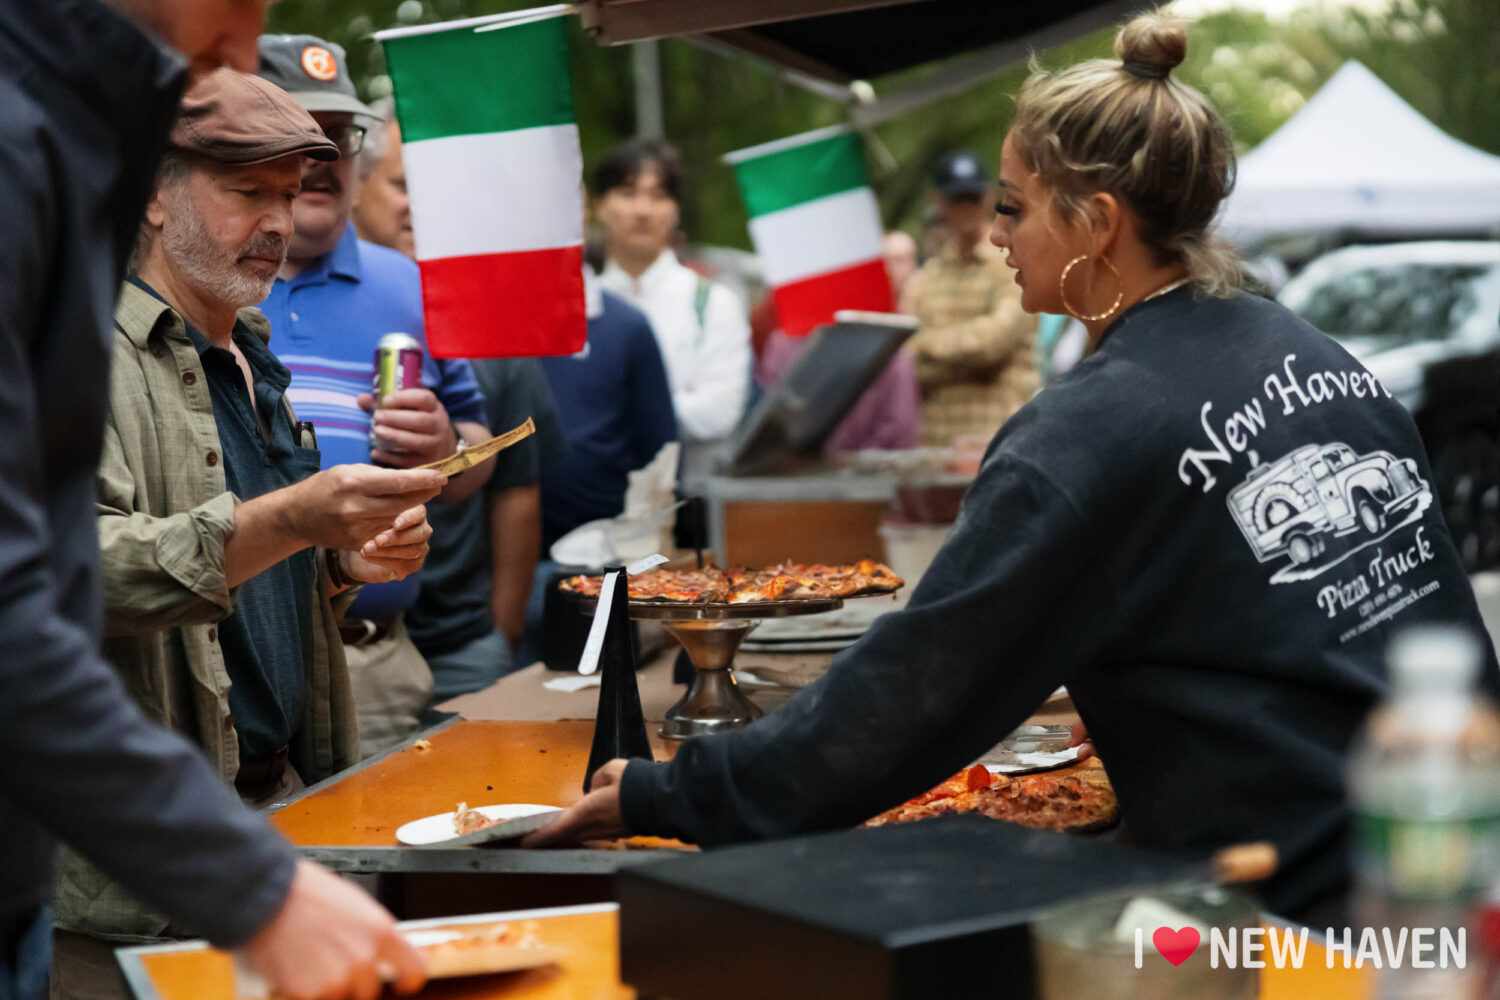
x,y
878,38
866,44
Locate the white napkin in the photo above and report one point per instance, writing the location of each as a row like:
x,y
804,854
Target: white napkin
x,y
569,683
646,524
644,527
652,488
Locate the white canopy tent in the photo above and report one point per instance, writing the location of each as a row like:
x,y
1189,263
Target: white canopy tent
x,y
1358,160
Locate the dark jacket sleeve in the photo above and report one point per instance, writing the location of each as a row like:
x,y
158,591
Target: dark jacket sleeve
x,y
76,755
1015,597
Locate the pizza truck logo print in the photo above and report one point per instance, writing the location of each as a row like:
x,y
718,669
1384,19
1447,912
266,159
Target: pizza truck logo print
x,y
1292,509
319,63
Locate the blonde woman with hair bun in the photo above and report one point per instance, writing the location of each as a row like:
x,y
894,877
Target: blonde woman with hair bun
x,y
1117,169
1207,530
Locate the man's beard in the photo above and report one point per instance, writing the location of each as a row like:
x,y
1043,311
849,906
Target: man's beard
x,y
190,247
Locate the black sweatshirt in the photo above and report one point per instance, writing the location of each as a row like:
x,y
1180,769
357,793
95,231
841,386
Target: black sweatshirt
x,y
1208,530
86,100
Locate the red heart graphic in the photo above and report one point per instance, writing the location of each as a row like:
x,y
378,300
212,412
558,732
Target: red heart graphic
x,y
1176,946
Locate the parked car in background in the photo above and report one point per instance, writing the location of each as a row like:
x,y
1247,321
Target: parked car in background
x,y
1424,318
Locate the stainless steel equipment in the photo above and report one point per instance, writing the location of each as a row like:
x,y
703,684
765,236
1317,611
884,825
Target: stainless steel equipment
x,y
711,634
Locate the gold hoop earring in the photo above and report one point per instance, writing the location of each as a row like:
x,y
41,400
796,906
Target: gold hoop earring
x,y
1062,290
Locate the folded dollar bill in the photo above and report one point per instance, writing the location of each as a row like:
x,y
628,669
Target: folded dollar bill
x,y
467,458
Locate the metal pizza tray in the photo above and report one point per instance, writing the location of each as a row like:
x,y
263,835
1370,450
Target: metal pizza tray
x,y
717,610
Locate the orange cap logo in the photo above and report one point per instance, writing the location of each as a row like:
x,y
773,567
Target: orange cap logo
x,y
319,63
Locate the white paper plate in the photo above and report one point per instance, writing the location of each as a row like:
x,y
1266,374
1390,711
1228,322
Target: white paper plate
x,y
521,819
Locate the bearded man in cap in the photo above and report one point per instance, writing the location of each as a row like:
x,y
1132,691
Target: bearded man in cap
x,y
973,354
224,549
336,296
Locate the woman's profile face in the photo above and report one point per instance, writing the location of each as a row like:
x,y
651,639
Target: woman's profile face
x,y
1038,243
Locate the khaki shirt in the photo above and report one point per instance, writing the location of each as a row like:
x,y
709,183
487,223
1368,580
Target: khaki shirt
x,y
973,354
164,514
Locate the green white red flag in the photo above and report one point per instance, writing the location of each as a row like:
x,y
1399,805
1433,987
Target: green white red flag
x,y
816,226
494,170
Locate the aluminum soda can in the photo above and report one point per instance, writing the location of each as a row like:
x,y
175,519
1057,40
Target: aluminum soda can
x,y
398,365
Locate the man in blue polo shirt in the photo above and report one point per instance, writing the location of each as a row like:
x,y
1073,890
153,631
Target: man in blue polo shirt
x,y
335,298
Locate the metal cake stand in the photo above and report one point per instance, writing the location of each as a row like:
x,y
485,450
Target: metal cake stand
x,y
711,634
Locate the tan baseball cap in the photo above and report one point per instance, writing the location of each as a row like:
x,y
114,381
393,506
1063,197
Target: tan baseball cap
x,y
240,119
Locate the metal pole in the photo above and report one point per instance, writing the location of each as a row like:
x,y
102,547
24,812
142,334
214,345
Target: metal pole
x,y
650,119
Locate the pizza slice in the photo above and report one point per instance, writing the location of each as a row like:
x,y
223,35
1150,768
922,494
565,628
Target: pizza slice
x,y
466,820
785,582
698,586
871,577
584,586
969,780
481,949
771,584
1063,803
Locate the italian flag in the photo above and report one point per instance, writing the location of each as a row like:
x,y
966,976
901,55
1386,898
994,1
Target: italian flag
x,y
816,226
495,173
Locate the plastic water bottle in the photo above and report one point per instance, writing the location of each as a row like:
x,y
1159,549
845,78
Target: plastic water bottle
x,y
1425,783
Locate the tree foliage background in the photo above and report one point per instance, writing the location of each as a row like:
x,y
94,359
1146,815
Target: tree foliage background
x,y
1442,56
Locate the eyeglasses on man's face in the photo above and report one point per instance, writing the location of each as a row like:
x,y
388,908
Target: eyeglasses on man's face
x,y
350,139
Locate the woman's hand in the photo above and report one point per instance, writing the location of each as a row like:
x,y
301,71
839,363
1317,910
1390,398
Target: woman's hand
x,y
597,815
1078,737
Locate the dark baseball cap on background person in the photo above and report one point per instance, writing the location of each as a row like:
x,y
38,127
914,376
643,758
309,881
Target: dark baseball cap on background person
x,y
313,71
239,119
960,173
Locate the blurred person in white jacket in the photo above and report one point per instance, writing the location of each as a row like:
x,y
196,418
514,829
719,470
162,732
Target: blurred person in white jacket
x,y
700,325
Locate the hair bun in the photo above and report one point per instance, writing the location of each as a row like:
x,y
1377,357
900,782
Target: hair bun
x,y
1158,41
